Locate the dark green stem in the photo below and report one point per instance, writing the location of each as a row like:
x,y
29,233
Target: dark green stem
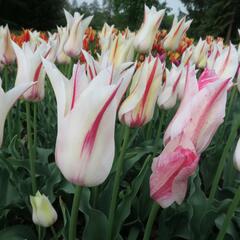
x,y
31,150
6,87
162,115
151,218
232,208
74,214
94,196
54,233
228,145
35,130
155,206
116,183
149,130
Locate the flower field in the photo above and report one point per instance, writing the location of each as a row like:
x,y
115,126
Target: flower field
x,y
115,134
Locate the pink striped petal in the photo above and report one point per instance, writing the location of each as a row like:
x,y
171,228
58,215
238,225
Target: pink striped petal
x,y
171,170
207,76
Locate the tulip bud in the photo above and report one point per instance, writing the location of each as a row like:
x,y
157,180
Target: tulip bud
x,y
200,53
7,54
174,37
138,108
43,213
76,27
145,36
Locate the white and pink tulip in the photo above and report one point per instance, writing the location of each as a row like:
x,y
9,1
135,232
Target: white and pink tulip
x,y
138,108
86,122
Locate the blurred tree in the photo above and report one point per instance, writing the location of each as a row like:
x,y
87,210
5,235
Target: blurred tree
x,y
37,14
92,9
215,17
130,12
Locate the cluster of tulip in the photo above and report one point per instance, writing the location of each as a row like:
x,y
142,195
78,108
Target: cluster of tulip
x,y
113,85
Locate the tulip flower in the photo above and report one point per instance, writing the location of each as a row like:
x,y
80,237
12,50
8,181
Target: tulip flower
x,y
201,111
138,108
43,213
92,66
145,36
215,53
173,87
106,37
86,122
236,156
121,50
238,78
62,57
34,39
76,27
227,63
200,53
207,76
53,42
174,37
30,69
239,47
238,71
199,115
187,56
7,54
7,100
171,170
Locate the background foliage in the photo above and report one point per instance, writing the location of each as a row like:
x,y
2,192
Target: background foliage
x,y
215,17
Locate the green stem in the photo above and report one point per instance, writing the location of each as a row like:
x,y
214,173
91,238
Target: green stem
x,y
228,111
229,215
162,113
155,206
74,214
232,97
39,232
54,233
18,121
94,196
149,128
151,218
30,149
6,87
117,181
226,149
35,130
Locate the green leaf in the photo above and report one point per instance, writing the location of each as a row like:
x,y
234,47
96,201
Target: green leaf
x,y
66,219
123,209
18,232
96,221
9,194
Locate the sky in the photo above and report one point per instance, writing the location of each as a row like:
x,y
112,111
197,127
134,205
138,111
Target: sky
x,y
174,4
